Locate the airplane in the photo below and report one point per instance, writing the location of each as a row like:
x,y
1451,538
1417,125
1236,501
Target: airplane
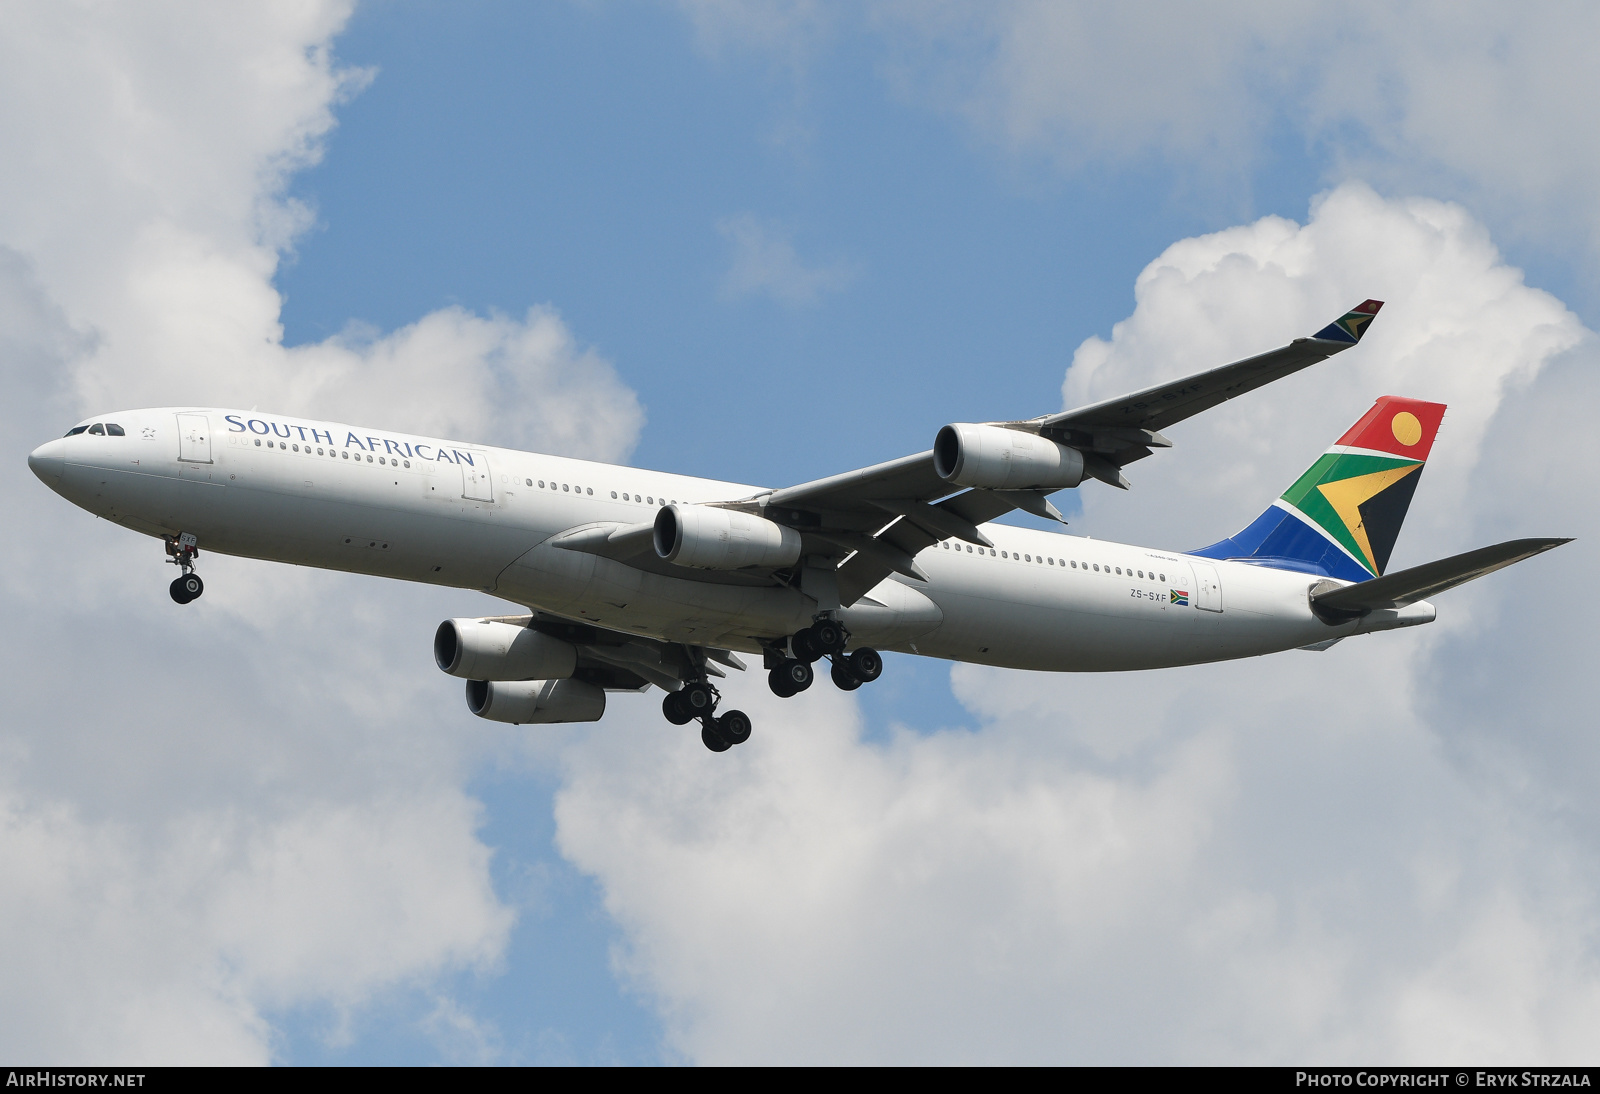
x,y
634,578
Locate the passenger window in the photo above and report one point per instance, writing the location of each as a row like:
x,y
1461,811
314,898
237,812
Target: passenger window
x,y
346,455
297,448
97,430
114,430
650,500
75,430
408,463
591,492
565,488
613,495
258,442
1163,577
1096,567
369,459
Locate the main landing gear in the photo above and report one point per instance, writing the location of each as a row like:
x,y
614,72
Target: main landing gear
x,y
182,550
698,699
790,675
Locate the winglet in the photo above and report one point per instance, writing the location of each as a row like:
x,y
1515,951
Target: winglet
x,y
1349,328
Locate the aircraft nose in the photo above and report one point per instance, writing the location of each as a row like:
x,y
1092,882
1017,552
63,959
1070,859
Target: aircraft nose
x,y
49,460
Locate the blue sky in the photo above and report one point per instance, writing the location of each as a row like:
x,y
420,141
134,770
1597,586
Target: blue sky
x,y
803,237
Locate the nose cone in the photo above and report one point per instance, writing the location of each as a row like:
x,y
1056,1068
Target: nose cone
x,y
49,460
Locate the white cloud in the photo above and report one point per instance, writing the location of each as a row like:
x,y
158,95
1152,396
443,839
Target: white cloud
x,y
254,805
1329,857
764,263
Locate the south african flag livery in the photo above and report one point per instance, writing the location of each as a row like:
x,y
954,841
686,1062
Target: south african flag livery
x,y
1180,597
1348,328
1342,517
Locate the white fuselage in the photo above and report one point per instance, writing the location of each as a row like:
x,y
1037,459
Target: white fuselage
x,y
469,516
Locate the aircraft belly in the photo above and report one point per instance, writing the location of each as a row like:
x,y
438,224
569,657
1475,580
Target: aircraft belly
x,y
892,615
604,591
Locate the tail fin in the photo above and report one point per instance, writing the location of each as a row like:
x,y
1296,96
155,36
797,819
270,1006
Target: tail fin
x,y
1342,517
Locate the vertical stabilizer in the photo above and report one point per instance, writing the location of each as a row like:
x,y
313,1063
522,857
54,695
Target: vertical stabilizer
x,y
1342,517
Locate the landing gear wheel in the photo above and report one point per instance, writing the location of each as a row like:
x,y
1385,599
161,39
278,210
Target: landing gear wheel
x,y
804,646
734,727
713,740
186,588
843,678
673,707
778,681
827,636
790,678
866,664
698,699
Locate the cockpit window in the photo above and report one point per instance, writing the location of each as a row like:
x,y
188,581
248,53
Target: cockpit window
x,y
97,430
75,430
114,430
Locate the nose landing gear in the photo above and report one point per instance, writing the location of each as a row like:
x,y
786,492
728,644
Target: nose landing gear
x,y
182,550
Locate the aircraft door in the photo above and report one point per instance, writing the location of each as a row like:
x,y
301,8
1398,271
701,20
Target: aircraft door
x,y
1207,588
194,438
476,484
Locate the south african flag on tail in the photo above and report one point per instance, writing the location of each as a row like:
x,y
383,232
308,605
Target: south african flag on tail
x,y
1342,517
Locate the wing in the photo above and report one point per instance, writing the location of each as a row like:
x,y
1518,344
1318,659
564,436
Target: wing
x,y
1118,431
871,523
617,661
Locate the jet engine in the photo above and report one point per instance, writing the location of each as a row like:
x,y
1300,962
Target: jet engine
x,y
1004,459
707,538
487,649
540,702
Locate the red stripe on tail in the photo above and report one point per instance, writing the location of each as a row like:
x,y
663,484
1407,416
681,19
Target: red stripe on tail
x,y
1401,427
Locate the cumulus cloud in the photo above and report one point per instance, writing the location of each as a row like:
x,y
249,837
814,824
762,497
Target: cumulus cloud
x,y
764,263
1310,857
257,805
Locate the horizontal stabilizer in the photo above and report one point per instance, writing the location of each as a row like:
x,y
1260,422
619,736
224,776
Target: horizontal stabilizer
x,y
1396,590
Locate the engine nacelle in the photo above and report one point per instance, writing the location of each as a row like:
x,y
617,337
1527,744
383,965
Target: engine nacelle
x,y
1004,459
707,538
486,649
539,702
